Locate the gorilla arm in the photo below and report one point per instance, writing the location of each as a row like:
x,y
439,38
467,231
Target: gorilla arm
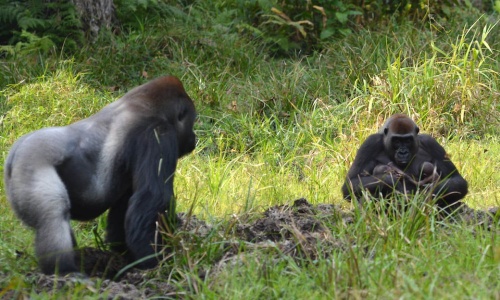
x,y
392,170
428,174
156,150
360,176
452,187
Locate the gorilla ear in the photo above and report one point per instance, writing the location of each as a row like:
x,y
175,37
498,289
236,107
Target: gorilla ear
x,y
417,130
386,130
182,114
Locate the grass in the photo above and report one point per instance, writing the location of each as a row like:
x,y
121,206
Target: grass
x,y
272,130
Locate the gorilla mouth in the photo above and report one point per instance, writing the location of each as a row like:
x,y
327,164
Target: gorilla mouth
x,y
402,160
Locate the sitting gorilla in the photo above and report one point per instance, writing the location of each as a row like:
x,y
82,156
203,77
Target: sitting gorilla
x,y
399,159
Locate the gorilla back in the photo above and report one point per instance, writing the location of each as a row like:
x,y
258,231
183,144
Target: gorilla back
x,y
123,159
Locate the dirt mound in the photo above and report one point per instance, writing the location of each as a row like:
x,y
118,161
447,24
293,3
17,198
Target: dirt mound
x,y
99,263
486,218
294,230
284,222
131,286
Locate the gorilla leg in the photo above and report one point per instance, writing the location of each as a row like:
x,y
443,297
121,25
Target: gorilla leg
x,y
115,231
45,207
140,226
54,247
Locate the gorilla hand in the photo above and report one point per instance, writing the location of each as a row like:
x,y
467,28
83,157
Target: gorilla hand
x,y
393,171
429,174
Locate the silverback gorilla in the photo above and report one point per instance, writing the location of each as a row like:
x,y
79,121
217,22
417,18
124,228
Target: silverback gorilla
x,y
123,159
399,159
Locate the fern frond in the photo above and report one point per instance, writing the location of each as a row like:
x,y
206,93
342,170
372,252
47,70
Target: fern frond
x,y
9,12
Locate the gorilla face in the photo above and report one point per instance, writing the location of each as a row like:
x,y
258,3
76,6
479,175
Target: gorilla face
x,y
403,149
401,139
184,127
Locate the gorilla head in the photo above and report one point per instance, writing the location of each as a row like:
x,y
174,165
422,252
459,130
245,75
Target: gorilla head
x,y
401,139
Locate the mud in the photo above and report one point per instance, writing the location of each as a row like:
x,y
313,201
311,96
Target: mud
x,y
294,230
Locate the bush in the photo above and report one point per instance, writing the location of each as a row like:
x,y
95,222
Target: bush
x,y
32,26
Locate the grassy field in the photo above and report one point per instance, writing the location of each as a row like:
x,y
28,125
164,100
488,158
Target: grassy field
x,y
275,129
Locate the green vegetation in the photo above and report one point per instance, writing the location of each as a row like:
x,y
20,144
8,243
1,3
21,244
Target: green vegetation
x,y
280,118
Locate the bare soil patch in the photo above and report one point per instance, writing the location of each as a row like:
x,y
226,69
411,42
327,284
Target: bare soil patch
x,y
295,230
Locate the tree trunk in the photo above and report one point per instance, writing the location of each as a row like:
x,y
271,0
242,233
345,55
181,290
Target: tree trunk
x,y
95,15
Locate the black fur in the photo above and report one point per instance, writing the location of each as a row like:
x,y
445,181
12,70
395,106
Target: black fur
x,y
451,188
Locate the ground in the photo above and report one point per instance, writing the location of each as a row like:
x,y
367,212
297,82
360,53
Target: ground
x,y
294,229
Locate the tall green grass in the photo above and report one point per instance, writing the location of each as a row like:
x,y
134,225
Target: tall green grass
x,y
274,130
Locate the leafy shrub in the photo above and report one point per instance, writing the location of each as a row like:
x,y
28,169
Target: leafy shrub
x,y
30,25
134,14
297,26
